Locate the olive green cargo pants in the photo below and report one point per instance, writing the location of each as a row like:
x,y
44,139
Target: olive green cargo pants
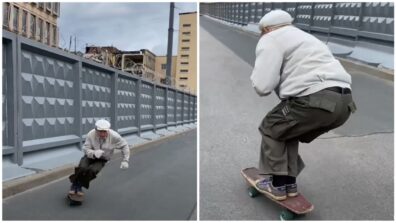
x,y
86,171
297,120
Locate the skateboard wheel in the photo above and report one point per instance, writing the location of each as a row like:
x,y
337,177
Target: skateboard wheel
x,y
253,192
286,215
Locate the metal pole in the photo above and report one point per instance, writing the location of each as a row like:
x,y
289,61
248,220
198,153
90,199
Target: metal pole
x,y
170,42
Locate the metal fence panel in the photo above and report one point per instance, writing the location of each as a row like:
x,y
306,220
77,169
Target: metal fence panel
x,y
96,96
171,107
179,105
47,97
160,103
146,106
127,104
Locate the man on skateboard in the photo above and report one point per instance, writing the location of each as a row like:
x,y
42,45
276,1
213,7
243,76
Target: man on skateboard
x,y
98,149
315,93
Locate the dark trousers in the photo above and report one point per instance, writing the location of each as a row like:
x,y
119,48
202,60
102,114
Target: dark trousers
x,y
87,171
297,120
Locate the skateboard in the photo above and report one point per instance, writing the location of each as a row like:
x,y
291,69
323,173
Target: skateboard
x,y
75,199
294,206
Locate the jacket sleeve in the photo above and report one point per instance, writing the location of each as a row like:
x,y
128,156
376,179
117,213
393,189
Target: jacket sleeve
x,y
121,143
87,147
267,68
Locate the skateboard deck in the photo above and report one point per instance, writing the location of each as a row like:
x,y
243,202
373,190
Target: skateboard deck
x,y
296,205
75,199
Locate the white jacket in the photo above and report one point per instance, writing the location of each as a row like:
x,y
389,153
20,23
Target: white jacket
x,y
295,63
113,141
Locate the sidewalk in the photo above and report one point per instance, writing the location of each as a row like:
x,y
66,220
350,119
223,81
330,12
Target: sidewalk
x,y
343,167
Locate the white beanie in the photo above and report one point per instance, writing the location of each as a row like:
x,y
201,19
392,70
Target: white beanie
x,y
102,125
275,18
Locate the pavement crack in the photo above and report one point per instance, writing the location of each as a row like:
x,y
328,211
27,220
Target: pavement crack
x,y
34,169
356,136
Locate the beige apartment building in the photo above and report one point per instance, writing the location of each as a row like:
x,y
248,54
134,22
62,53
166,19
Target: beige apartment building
x,y
186,63
160,69
34,20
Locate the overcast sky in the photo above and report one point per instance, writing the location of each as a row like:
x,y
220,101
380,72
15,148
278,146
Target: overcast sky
x,y
127,26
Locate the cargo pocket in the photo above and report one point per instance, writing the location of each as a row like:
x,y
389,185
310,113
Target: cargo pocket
x,y
352,107
278,123
320,102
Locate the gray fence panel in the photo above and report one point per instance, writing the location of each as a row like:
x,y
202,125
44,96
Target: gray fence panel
x,y
96,96
47,97
185,107
290,7
127,104
146,106
378,17
171,107
322,17
303,15
191,109
179,106
9,97
160,109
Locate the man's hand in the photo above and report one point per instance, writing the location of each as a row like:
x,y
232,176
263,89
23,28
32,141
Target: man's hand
x,y
90,153
98,153
124,165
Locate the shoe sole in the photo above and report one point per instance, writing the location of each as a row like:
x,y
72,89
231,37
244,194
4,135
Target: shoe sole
x,y
271,195
292,194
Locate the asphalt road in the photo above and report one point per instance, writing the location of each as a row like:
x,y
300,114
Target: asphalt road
x,y
349,171
161,184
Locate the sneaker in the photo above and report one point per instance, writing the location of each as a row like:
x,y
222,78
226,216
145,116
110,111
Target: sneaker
x,y
291,190
72,190
265,186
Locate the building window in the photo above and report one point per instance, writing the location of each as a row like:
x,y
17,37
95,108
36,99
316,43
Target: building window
x,y
163,66
32,26
185,48
184,63
55,8
15,14
183,78
184,56
186,25
184,71
40,29
44,32
6,14
185,40
48,6
54,36
186,33
182,85
41,5
48,33
24,22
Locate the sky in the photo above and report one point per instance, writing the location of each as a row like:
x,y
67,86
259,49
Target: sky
x,y
126,26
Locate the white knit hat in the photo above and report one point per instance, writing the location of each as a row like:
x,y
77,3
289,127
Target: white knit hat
x,y
102,125
275,18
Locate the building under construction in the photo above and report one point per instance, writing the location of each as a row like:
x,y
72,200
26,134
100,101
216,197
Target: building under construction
x,y
141,62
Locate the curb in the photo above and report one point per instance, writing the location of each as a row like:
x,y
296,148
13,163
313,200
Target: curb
x,y
378,72
22,184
